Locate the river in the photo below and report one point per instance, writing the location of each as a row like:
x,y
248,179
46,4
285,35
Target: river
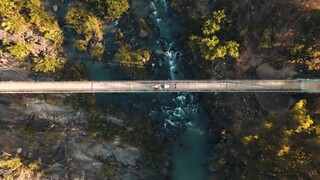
x,y
190,152
179,115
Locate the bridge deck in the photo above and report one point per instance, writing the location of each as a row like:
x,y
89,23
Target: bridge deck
x,y
300,85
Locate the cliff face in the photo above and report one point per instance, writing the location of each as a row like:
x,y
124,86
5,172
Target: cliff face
x,y
54,134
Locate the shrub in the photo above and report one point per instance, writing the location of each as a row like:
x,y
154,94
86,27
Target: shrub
x,y
97,50
19,50
80,45
109,168
84,23
14,167
116,8
75,72
110,9
47,25
14,23
127,56
48,64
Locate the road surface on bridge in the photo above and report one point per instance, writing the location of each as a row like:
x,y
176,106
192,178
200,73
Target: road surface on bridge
x,y
299,85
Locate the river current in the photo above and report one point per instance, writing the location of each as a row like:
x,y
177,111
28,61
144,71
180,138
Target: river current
x,y
190,153
178,115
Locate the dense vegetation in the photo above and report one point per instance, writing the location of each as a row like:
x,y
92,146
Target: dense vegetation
x,y
109,9
84,23
132,61
19,49
210,45
19,17
85,19
283,145
89,28
47,64
277,145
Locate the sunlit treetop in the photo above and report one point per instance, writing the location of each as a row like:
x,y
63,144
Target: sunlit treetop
x,y
84,23
211,47
110,9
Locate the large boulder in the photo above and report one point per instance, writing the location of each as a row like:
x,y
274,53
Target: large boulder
x,y
280,102
126,156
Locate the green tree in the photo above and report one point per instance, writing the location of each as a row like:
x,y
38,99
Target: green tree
x,y
19,50
7,6
109,9
133,61
219,15
97,50
94,26
48,64
80,45
116,8
211,47
123,56
46,24
14,22
284,145
74,72
232,48
84,23
127,56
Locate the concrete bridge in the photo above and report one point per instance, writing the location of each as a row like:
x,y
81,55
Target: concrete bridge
x,y
299,85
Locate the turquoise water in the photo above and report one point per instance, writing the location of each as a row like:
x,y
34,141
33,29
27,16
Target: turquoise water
x,y
190,151
180,112
190,157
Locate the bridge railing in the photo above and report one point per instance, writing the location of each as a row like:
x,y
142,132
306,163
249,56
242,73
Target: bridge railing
x,y
299,85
